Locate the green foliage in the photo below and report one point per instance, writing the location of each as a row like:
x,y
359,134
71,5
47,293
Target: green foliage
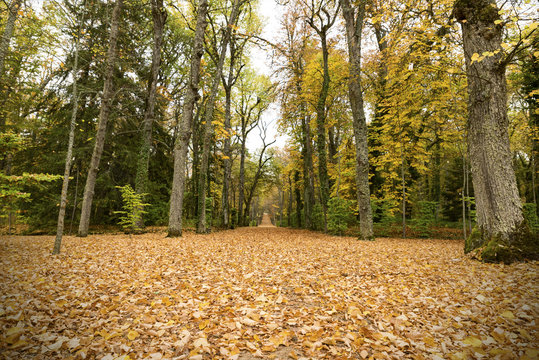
x,y
340,214
381,211
425,217
318,217
209,211
133,209
530,214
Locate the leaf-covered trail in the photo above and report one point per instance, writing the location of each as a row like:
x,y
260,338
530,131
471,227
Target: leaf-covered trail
x,y
261,292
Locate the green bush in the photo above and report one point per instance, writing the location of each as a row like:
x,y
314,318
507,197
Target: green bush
x,y
424,218
381,212
530,214
318,217
340,214
133,208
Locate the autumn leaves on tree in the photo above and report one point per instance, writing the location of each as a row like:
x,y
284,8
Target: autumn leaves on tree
x,y
388,106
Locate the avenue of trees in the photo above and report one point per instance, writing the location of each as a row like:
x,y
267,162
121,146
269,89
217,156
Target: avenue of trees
x,y
408,113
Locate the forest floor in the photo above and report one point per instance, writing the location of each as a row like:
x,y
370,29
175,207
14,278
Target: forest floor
x,y
261,293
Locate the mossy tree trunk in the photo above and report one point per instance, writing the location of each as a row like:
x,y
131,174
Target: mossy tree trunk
x,y
354,19
159,17
501,233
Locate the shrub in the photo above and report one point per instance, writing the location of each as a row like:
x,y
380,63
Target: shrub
x,y
425,217
318,217
340,215
133,208
530,214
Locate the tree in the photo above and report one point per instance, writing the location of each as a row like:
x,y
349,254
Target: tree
x,y
13,10
208,127
71,139
502,233
159,17
182,141
320,19
354,26
106,102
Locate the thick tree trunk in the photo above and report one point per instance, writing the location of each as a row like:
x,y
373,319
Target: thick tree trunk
x,y
106,100
159,16
501,233
182,142
69,155
354,27
208,127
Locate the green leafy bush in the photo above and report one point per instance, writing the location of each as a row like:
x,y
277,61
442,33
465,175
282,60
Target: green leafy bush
x,y
530,214
425,217
318,217
133,208
340,214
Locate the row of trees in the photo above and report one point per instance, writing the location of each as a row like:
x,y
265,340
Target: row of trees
x,y
437,103
162,96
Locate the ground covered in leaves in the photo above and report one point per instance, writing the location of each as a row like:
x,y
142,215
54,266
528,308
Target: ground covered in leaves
x,y
261,293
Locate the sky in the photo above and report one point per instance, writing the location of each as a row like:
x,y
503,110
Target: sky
x,y
270,14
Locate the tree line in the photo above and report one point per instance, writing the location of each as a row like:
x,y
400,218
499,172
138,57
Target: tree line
x,y
394,110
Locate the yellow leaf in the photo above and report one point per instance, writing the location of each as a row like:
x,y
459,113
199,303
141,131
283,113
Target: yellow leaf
x,y
473,341
508,315
132,335
497,22
203,324
475,57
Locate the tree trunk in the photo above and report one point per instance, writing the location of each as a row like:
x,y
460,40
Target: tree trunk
x,y
69,155
8,33
321,133
159,16
308,171
354,27
298,199
502,233
241,186
208,127
182,142
104,112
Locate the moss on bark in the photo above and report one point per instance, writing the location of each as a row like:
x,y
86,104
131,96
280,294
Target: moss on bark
x,y
521,244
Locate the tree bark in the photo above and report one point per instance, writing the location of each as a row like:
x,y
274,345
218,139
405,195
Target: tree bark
x,y
354,26
182,142
13,11
69,155
159,17
208,127
104,112
501,233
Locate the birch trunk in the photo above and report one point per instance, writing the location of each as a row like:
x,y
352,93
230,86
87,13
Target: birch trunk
x,y
502,233
104,113
354,26
182,142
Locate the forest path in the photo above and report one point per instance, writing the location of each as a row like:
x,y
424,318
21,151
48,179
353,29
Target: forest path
x,y
260,293
266,221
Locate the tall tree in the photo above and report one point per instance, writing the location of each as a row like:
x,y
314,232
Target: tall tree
x,y
104,112
321,19
71,139
354,19
159,16
208,127
182,141
502,233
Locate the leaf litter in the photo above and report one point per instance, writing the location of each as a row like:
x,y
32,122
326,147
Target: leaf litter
x,y
266,293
